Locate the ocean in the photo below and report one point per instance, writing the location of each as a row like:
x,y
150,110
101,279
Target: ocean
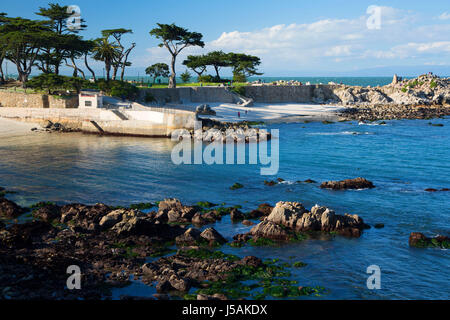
x,y
402,158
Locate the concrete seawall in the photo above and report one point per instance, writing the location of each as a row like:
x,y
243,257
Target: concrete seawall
x,y
152,123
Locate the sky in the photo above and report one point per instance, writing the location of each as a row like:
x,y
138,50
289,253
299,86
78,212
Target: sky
x,y
292,37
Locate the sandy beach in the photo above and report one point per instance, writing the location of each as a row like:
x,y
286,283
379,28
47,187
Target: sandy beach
x,y
11,128
285,112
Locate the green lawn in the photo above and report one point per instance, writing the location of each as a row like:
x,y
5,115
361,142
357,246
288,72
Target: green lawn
x,y
192,84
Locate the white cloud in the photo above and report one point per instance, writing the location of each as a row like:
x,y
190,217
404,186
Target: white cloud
x,y
332,44
444,16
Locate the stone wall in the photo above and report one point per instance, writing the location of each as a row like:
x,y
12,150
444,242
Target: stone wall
x,y
291,94
191,94
11,99
261,94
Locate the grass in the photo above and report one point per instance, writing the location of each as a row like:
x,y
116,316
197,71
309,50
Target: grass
x,y
190,84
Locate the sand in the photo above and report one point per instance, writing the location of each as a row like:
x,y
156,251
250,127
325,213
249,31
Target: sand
x,y
10,127
286,112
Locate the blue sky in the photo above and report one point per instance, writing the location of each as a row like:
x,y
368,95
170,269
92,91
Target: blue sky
x,y
292,37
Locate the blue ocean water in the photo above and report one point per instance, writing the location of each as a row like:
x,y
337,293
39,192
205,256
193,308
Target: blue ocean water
x,y
402,158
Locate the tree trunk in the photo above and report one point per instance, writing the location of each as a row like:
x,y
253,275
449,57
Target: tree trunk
x,y
217,72
172,79
115,69
89,68
108,71
2,75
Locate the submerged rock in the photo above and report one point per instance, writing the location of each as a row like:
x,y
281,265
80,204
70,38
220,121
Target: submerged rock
x,y
357,183
419,240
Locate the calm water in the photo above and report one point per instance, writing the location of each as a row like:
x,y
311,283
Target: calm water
x,y
402,158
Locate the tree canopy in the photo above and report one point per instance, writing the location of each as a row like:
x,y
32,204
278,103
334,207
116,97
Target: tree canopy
x,y
175,39
158,70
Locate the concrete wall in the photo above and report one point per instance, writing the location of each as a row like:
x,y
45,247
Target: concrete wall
x,y
191,94
293,94
32,100
262,94
141,123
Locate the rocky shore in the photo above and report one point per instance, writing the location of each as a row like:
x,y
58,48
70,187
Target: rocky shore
x,y
425,97
167,245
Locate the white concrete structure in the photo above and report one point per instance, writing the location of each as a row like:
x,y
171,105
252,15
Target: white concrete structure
x,y
90,99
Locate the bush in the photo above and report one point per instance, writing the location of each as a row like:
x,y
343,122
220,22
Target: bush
x,y
239,77
206,78
433,84
119,89
185,76
239,90
51,82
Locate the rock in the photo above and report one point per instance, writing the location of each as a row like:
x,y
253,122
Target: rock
x,y
212,236
190,237
263,210
247,223
291,217
163,286
251,261
431,190
236,215
112,218
179,284
172,210
9,209
270,230
83,217
357,183
270,183
419,240
48,213
309,181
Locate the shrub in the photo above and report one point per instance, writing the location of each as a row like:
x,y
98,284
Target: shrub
x,y
433,84
185,76
118,89
205,78
239,90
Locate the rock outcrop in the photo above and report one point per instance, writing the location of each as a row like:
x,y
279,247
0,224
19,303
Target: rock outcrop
x,y
357,183
291,217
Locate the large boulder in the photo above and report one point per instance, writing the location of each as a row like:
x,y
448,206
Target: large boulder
x,y
171,210
212,236
357,183
270,230
290,217
190,237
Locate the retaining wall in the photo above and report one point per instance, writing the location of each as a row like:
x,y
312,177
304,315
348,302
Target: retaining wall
x,y
11,99
142,123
